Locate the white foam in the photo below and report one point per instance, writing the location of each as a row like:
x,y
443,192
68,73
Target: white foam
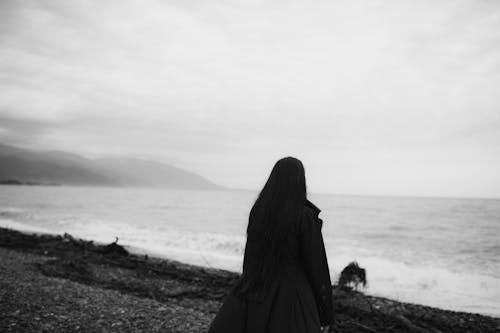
x,y
9,210
434,286
206,249
9,224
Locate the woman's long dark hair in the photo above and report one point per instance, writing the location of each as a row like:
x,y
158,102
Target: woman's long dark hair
x,y
278,207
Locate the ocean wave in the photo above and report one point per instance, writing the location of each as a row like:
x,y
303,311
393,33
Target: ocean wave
x,y
10,224
164,237
495,249
434,286
11,212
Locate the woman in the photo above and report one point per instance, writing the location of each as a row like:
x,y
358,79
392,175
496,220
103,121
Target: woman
x,y
285,285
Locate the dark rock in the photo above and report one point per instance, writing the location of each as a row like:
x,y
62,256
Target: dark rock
x,y
352,276
115,249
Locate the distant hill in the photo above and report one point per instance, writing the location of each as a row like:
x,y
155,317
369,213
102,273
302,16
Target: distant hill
x,y
28,166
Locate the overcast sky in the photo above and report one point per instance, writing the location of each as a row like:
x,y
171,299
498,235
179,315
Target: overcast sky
x,y
376,97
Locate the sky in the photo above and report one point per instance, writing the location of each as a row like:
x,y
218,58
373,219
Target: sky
x,y
376,97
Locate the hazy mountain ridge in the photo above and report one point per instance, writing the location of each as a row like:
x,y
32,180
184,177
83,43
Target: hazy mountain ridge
x,y
70,169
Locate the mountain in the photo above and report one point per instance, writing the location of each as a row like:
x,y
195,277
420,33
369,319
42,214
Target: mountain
x,y
28,166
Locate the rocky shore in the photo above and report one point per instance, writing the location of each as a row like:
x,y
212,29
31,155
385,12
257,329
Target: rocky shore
x,y
54,283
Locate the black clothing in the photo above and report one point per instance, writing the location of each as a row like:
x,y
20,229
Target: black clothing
x,y
300,301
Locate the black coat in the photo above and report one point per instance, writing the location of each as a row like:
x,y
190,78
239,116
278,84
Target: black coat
x,y
299,302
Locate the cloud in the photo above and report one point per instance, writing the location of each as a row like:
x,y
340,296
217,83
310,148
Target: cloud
x,y
225,86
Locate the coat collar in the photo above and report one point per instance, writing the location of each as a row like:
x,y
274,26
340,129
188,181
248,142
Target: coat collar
x,y
313,207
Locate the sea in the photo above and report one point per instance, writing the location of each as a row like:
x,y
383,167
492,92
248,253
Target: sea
x,y
441,252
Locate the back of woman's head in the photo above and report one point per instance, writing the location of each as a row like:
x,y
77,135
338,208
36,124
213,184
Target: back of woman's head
x,y
278,207
283,193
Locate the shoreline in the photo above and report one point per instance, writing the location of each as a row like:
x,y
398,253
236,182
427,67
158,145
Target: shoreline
x,y
158,283
443,298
